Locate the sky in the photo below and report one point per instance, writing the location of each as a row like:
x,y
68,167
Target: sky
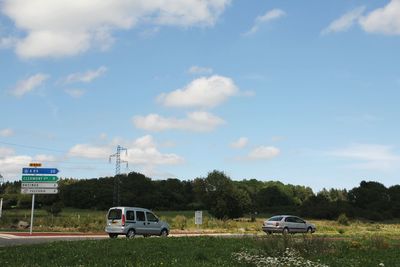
x,y
304,92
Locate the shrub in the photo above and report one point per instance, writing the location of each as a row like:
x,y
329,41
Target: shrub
x,y
180,222
343,220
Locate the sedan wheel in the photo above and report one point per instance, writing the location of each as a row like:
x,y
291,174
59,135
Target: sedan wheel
x,y
285,231
309,230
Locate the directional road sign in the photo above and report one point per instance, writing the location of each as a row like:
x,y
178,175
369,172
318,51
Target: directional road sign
x,y
39,178
39,185
39,170
39,191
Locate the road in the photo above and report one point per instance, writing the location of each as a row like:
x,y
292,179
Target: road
x,y
14,239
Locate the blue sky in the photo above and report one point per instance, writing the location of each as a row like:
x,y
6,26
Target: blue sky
x,y
305,92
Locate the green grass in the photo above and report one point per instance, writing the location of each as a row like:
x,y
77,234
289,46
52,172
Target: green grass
x,y
202,251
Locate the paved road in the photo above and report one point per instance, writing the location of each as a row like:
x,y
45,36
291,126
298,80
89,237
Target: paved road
x,y
11,239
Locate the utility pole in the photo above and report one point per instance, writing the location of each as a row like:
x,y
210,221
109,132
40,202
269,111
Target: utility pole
x,y
118,161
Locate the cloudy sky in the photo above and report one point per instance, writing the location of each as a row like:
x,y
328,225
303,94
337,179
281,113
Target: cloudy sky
x,y
305,92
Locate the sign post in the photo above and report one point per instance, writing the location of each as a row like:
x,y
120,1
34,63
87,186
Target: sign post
x,y
1,206
198,218
37,180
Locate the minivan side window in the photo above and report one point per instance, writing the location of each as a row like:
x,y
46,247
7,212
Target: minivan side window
x,y
151,217
140,216
114,214
130,215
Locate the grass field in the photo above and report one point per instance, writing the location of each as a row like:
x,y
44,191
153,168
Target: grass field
x,y
94,221
206,251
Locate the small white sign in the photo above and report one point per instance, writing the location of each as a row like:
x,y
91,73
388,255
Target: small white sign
x,y
39,191
39,185
198,217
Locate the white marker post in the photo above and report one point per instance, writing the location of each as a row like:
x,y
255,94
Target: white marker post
x,y
1,206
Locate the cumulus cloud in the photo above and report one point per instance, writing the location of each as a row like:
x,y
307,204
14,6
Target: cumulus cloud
x,y
141,151
11,164
270,15
7,42
66,28
200,70
344,22
85,77
90,151
263,153
202,92
25,86
385,20
369,156
7,132
198,121
240,143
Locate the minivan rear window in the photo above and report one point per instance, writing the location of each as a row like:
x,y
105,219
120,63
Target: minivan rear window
x,y
275,219
114,214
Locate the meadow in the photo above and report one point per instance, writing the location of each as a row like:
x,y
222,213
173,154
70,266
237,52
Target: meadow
x,y
92,221
208,251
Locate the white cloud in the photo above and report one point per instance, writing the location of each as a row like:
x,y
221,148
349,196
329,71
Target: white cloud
x,y
202,92
369,156
384,20
344,22
141,151
11,165
25,86
200,70
195,121
85,77
240,143
270,15
144,151
75,92
66,28
7,132
90,151
263,153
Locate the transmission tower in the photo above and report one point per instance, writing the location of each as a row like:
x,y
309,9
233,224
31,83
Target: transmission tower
x,y
118,161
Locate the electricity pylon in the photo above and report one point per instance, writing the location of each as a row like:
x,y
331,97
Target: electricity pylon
x,y
118,161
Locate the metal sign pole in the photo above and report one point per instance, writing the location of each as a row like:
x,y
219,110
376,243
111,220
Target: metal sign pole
x,y
1,206
33,206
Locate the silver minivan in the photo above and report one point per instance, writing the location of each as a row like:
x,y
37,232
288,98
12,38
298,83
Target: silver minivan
x,y
131,221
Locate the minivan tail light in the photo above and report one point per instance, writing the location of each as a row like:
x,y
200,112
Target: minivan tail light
x,y
123,220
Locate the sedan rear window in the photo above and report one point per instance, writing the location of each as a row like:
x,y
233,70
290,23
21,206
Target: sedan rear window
x,y
275,219
114,214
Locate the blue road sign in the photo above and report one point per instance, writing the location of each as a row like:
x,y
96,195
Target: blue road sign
x,y
39,170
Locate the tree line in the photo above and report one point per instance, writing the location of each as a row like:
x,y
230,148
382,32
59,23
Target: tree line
x,y
217,193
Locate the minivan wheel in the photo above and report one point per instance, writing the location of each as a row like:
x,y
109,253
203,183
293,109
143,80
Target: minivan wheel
x,y
285,231
164,233
309,230
130,234
113,235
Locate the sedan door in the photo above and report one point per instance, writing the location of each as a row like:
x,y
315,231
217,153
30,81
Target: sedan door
x,y
300,225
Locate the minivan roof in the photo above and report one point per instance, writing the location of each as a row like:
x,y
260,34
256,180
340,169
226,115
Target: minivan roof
x,y
125,207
